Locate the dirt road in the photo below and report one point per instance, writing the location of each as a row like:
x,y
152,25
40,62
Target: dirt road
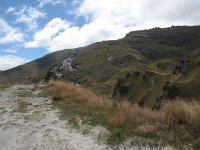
x,y
28,122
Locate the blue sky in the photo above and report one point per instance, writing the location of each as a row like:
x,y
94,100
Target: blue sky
x,y
29,29
44,12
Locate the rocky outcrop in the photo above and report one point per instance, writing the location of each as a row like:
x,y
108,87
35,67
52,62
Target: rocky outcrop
x,y
181,67
148,54
123,87
109,57
169,92
67,64
121,91
57,71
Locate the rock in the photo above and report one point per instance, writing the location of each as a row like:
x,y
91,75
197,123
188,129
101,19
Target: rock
x,y
137,74
75,66
48,76
56,71
169,93
148,54
109,57
141,102
121,91
181,67
123,87
67,64
144,77
128,75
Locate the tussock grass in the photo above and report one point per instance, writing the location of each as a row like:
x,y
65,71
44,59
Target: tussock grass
x,y
131,116
77,94
178,122
182,113
182,122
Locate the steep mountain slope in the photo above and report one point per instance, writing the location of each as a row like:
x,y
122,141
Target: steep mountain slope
x,y
145,67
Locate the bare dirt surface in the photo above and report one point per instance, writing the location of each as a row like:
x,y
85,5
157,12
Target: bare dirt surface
x,y
29,122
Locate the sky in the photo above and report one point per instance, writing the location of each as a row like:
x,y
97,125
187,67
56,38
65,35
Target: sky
x,y
29,29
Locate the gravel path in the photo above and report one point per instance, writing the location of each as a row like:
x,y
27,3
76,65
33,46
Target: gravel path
x,y
28,122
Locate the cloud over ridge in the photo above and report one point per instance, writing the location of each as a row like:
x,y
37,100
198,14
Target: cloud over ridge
x,y
110,20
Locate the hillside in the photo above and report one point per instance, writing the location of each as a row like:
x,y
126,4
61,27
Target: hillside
x,y
33,71
145,67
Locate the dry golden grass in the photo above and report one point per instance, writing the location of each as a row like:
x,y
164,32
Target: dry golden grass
x,y
131,116
182,113
82,96
149,128
176,120
125,113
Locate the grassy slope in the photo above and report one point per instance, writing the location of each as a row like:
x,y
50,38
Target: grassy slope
x,y
96,69
141,51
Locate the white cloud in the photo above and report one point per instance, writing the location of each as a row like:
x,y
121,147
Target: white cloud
x,y
42,3
10,10
9,34
11,37
44,37
29,16
166,13
141,14
10,50
59,34
110,20
10,61
4,27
